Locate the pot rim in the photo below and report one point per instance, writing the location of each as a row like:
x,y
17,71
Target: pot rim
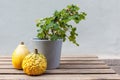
x,y
38,39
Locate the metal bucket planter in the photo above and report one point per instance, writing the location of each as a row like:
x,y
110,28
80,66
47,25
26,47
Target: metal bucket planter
x,y
51,49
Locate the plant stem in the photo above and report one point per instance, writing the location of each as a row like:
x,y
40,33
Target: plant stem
x,y
36,51
22,43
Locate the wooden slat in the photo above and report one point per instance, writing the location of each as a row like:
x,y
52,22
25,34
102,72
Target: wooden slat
x,y
67,62
62,58
84,67
84,59
116,68
67,66
82,62
7,60
80,56
64,71
71,68
5,63
86,71
72,62
5,57
62,77
112,62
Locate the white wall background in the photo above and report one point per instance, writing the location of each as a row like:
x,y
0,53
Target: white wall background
x,y
99,34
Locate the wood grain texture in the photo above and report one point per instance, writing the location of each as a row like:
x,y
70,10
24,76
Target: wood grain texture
x,y
71,68
62,58
112,62
62,77
72,62
68,66
64,71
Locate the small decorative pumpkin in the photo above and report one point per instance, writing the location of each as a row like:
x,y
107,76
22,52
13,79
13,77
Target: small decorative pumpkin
x,y
34,63
18,55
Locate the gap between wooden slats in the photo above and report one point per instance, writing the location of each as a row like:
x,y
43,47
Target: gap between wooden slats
x,y
64,77
66,66
64,71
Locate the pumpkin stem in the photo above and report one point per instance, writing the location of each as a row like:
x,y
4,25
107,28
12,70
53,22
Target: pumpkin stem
x,y
36,51
22,43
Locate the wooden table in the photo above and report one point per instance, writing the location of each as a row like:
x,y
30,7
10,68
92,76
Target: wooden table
x,y
71,68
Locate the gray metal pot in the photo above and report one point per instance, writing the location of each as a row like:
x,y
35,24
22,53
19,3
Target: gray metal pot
x,y
51,49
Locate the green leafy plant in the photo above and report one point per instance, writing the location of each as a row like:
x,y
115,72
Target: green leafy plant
x,y
57,26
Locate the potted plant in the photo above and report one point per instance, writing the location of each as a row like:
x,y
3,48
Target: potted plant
x,y
54,30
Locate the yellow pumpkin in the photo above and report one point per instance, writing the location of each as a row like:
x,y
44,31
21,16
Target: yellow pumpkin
x,y
34,63
18,55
